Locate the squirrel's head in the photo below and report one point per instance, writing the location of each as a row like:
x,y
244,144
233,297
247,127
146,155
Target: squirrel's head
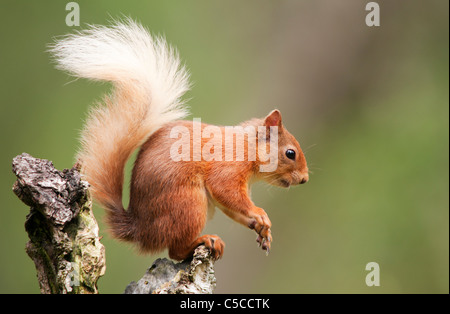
x,y
291,167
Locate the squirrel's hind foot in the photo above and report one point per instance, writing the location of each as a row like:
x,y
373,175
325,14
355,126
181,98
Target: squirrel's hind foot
x,y
212,242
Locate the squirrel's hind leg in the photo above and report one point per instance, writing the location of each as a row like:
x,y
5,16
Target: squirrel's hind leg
x,y
188,218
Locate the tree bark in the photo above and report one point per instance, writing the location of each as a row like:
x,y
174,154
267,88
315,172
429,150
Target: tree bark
x,y
65,244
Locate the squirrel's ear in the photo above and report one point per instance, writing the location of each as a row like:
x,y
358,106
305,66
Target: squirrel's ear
x,y
273,119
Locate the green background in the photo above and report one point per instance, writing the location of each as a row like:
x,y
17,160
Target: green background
x,y
369,105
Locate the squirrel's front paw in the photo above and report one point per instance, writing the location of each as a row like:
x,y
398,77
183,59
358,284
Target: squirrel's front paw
x,y
260,222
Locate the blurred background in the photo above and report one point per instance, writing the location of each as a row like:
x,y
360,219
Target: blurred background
x,y
369,105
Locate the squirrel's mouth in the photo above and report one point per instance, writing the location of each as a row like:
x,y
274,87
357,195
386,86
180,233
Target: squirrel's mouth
x,y
285,183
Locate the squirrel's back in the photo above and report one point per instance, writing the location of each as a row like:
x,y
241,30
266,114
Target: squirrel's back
x,y
148,83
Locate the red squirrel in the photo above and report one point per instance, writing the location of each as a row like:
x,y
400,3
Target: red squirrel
x,y
169,199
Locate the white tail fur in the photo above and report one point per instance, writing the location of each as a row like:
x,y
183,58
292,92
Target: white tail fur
x,y
149,82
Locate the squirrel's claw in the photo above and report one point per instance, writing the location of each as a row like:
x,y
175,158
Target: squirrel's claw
x,y
264,243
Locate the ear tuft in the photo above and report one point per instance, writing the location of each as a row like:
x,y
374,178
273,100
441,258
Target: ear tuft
x,y
273,119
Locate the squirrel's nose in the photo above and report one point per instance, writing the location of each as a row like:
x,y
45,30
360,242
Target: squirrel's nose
x,y
304,179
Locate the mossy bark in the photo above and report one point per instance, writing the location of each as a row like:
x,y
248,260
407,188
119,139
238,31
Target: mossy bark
x,y
64,242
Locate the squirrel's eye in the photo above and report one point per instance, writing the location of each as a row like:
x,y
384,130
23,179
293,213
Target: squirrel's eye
x,y
290,154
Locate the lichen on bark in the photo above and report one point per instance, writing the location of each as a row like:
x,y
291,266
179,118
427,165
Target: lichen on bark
x,y
64,242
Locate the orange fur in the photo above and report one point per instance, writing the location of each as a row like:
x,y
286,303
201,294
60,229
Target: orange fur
x,y
169,199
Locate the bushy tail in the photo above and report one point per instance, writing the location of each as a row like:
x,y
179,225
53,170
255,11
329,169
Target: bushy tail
x,y
148,82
